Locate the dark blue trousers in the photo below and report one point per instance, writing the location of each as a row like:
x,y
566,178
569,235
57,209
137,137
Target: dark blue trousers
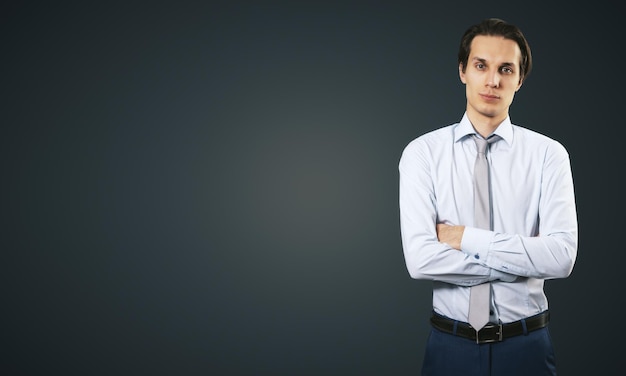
x,y
528,354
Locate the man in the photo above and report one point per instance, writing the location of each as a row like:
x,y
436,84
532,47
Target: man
x,y
530,235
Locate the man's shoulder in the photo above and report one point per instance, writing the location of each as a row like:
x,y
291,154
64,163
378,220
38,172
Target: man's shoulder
x,y
537,139
533,135
429,145
436,136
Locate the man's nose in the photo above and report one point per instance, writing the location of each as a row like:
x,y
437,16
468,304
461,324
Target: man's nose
x,y
493,80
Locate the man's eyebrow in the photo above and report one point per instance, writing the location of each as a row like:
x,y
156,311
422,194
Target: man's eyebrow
x,y
481,60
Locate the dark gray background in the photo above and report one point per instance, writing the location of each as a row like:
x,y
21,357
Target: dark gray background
x,y
211,188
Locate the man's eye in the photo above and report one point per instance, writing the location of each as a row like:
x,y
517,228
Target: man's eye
x,y
507,70
480,66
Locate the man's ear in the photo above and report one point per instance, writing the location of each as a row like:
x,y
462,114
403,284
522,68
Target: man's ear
x,y
519,85
462,74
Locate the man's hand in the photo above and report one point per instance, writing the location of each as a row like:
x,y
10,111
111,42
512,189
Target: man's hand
x,y
450,235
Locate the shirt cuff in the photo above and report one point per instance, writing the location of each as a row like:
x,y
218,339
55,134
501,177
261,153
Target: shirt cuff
x,y
475,243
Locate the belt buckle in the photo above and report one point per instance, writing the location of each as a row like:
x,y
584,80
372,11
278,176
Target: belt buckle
x,y
490,339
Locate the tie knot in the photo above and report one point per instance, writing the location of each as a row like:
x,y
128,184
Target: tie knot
x,y
481,143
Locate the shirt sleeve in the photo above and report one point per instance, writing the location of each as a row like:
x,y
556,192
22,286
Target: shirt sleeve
x,y
552,252
426,257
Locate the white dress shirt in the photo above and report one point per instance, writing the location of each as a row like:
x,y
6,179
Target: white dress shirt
x,y
535,228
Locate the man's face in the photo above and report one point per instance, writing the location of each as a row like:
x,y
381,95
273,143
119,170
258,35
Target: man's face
x,y
492,77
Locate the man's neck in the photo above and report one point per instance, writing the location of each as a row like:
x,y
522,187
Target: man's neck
x,y
485,125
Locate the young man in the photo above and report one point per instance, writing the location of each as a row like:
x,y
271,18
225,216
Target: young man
x,y
530,232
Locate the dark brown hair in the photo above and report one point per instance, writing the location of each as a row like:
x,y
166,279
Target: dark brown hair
x,y
497,27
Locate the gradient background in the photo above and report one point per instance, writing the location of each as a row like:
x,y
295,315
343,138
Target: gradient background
x,y
193,188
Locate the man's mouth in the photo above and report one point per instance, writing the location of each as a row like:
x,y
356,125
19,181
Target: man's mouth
x,y
489,97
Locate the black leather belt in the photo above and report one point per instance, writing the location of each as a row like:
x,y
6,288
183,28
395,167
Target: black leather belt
x,y
490,332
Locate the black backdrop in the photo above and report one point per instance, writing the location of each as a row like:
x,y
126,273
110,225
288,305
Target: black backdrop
x,y
211,188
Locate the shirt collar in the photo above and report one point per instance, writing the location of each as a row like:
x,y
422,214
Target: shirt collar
x,y
465,128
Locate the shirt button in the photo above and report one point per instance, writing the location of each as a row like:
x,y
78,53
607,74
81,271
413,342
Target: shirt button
x,y
476,256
